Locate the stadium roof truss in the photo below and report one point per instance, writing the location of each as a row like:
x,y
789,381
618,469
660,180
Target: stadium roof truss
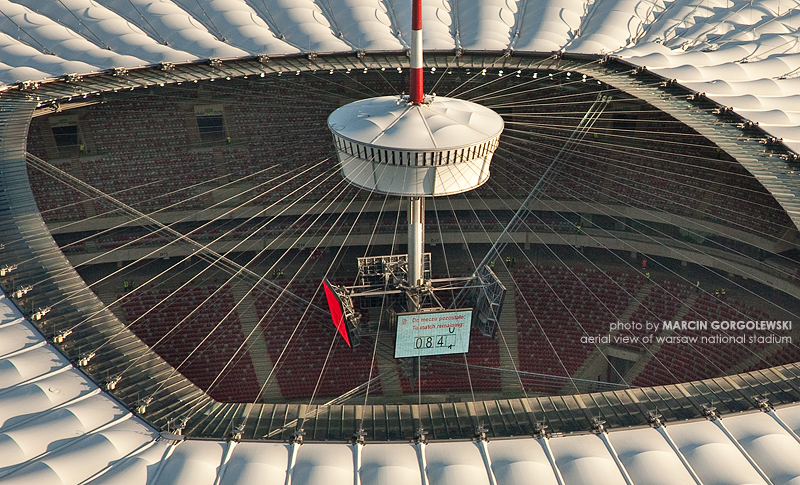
x,y
734,61
35,367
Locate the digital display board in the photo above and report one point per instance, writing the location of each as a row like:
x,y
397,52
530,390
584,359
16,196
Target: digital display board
x,y
432,333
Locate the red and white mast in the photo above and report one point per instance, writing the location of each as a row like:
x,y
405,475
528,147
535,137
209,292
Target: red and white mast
x,y
416,208
415,82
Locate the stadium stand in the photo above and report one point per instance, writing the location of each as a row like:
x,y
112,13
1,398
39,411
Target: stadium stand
x,y
197,330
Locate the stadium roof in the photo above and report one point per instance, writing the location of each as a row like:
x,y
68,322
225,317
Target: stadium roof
x,y
58,427
742,54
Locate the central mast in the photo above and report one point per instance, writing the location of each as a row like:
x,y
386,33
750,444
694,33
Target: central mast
x,y
416,207
410,146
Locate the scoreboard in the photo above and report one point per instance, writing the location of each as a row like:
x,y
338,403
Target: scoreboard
x,y
432,333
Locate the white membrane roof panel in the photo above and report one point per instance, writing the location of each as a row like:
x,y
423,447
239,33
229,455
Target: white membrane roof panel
x,y
30,438
85,456
238,24
18,336
453,179
514,462
193,463
29,365
610,26
585,459
459,463
790,415
365,24
713,456
548,25
390,464
332,464
303,24
137,467
108,30
257,464
20,402
648,457
21,61
768,443
487,24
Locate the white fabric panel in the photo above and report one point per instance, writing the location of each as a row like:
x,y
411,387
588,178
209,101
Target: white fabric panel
x,y
439,180
18,336
516,461
365,24
722,87
757,88
10,74
23,62
193,463
456,463
712,455
680,16
610,26
390,464
331,464
21,402
34,437
585,459
72,51
28,365
303,23
239,24
122,36
9,313
688,73
168,22
790,415
770,117
134,470
447,179
648,458
358,171
58,38
773,67
770,446
707,21
37,473
789,134
746,101
257,464
548,25
487,24
88,455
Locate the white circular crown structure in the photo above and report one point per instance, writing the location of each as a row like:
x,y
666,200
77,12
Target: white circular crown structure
x,y
441,147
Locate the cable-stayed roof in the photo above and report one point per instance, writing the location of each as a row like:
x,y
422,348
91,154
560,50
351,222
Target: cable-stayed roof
x,y
56,426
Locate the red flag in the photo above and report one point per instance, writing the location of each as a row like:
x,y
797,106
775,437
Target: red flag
x,y
337,314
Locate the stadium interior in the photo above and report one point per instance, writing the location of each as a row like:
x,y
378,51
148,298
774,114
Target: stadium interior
x,y
205,214
220,219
